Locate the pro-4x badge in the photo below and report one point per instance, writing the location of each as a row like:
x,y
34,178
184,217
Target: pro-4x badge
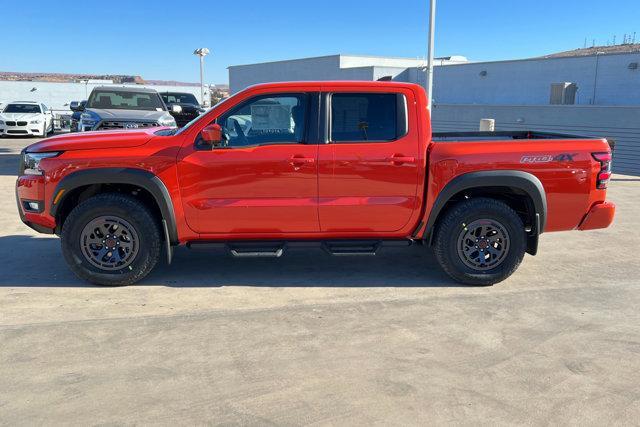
x,y
546,158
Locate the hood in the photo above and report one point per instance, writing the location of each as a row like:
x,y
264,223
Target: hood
x,y
94,140
127,114
20,116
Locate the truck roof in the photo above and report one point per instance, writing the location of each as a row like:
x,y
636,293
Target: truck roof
x,y
339,83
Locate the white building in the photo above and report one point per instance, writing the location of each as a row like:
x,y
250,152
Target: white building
x,y
58,96
332,67
600,78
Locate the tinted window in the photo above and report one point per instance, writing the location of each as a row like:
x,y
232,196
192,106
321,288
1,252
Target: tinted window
x,y
121,100
179,98
22,108
365,116
270,119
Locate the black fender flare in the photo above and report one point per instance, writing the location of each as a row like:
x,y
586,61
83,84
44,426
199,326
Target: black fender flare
x,y
138,177
523,181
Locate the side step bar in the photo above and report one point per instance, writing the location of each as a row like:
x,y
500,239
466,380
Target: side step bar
x,y
275,249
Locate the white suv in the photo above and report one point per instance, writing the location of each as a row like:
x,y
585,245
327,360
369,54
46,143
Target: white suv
x,y
26,118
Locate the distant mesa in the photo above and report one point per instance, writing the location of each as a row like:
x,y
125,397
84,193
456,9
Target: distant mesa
x,y
80,78
67,78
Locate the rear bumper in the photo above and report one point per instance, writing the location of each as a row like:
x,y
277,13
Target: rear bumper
x,y
600,216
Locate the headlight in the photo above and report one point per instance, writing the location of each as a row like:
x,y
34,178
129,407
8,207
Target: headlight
x,y
1,122
31,162
167,121
35,122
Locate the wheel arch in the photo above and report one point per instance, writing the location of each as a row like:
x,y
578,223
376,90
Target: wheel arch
x,y
86,181
510,186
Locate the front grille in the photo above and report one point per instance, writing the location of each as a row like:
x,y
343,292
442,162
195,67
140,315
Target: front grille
x,y
17,131
11,123
22,123
121,124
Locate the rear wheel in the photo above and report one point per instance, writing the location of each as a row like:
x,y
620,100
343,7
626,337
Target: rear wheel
x,y
480,241
111,239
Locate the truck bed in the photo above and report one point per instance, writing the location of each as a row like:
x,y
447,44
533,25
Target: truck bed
x,y
500,135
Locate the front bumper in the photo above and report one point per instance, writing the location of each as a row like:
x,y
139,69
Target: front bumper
x,y
31,189
27,130
600,216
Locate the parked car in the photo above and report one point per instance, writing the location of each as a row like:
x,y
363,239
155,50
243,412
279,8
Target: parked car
x,y
351,167
188,106
26,118
77,108
126,107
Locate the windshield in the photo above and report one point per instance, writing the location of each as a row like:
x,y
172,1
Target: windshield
x,y
121,100
179,98
22,108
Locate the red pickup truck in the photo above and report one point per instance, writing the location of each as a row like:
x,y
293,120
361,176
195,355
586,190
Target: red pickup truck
x,y
347,166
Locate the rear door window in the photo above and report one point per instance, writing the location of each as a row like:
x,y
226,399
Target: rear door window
x,y
367,117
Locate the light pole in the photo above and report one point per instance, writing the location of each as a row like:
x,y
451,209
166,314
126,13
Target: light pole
x,y
202,52
86,82
430,42
595,78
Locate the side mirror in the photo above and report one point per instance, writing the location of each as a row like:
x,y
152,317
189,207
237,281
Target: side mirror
x,y
74,106
212,134
176,109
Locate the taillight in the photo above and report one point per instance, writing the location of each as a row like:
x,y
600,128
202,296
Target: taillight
x,y
605,169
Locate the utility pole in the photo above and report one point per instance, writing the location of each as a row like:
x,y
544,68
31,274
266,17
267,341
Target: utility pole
x,y
430,44
202,52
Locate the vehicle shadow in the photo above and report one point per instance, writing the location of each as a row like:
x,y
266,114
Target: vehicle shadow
x,y
38,262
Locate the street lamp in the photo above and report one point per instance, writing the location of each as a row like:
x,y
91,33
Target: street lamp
x,y
430,42
202,52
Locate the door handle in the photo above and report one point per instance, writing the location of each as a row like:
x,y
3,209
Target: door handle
x,y
398,160
301,160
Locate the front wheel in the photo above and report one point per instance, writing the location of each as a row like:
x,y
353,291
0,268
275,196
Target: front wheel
x,y
480,241
111,239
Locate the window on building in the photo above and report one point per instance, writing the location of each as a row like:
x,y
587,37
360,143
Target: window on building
x,y
376,117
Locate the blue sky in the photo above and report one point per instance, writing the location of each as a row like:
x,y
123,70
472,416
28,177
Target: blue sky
x,y
155,39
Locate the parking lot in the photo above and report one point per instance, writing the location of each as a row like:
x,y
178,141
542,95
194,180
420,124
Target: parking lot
x,y
313,339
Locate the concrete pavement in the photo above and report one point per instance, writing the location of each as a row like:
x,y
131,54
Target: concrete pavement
x,y
313,339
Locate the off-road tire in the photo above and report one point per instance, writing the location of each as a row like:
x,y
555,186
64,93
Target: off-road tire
x,y
449,229
126,208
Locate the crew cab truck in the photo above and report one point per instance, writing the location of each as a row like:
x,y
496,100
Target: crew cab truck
x,y
351,167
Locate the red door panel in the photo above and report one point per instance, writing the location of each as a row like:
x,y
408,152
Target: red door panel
x,y
263,189
370,186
